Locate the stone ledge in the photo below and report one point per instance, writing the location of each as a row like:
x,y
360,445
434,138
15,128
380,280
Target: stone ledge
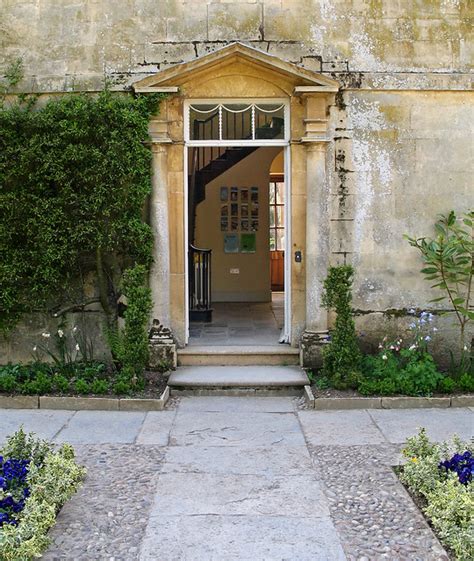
x,y
79,403
309,396
330,403
19,402
415,402
462,401
68,403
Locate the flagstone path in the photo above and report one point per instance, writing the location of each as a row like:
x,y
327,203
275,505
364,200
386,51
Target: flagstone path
x,y
248,479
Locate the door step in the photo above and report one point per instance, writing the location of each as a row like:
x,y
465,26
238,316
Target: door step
x,y
238,380
268,355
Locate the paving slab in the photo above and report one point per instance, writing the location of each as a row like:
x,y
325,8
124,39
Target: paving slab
x,y
46,424
238,376
441,424
235,429
202,493
156,428
97,427
241,404
344,428
235,538
228,460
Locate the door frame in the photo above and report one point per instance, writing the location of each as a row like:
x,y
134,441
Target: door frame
x,y
283,143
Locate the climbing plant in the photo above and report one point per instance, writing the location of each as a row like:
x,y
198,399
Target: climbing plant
x,y
341,357
74,178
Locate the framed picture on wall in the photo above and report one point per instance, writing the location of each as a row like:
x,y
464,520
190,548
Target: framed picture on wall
x,y
231,243
254,194
234,209
234,193
244,211
244,225
224,193
234,224
248,243
244,195
224,224
254,210
224,211
254,225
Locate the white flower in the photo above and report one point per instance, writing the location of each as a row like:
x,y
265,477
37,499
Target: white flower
x,y
465,347
35,348
74,329
77,347
435,329
46,335
391,347
384,357
427,338
412,347
60,333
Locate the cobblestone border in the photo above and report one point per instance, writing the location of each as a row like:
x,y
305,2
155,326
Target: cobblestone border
x,y
399,402
67,403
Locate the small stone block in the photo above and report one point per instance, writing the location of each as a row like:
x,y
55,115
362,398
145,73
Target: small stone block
x,y
130,404
79,403
415,402
308,396
462,401
333,403
19,402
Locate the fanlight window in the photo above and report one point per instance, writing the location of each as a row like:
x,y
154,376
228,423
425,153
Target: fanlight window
x,y
237,121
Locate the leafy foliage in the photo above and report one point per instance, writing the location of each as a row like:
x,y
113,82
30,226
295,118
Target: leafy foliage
x,y
74,176
449,262
341,357
449,502
52,477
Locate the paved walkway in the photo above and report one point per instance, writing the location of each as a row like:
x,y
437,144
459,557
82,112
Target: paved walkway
x,y
251,479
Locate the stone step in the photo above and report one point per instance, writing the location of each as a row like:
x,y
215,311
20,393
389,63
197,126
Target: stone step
x,y
267,355
238,380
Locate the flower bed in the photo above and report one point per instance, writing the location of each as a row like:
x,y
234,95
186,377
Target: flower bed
x,y
440,476
35,481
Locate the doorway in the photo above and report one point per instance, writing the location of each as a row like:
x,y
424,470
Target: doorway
x,y
236,225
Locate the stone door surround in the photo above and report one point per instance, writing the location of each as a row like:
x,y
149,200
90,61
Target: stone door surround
x,y
238,71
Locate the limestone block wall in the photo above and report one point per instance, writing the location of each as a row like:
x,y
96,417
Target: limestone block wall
x,y
401,126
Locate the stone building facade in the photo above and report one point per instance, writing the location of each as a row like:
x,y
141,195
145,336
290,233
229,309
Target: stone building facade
x,y
380,127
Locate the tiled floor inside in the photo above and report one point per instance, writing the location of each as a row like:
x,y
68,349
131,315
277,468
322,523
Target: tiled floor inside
x,y
241,323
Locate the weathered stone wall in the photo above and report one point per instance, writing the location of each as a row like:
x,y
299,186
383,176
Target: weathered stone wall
x,y
73,44
402,123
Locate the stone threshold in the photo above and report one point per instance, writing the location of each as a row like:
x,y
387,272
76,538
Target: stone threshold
x,y
67,403
396,402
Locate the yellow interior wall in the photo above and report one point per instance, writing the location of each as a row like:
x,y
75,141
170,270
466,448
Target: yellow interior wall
x,y
252,284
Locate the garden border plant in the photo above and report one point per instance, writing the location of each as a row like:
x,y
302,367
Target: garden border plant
x,y
440,476
35,483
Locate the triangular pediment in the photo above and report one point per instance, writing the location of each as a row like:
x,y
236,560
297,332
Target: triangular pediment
x,y
169,80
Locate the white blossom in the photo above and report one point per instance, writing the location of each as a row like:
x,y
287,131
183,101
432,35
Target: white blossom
x,y
74,329
412,347
77,347
46,335
35,348
60,333
384,357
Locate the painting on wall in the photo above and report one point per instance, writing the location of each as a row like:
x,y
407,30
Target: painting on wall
x,y
248,243
231,243
239,210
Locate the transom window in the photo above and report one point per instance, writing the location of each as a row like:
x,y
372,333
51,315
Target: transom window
x,y
259,122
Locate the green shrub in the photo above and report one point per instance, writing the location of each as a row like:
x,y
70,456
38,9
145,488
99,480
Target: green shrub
x,y
466,382
341,357
82,387
99,386
8,382
122,387
39,384
61,383
446,385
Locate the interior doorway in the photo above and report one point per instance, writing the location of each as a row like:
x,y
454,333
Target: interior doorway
x,y
237,232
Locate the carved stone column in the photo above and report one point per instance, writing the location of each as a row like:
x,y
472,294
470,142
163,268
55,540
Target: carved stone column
x,y
317,227
160,269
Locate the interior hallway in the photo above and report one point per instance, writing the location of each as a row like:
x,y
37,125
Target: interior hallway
x,y
241,323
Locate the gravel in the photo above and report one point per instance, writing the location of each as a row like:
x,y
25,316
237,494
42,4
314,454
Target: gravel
x,y
372,512
107,517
